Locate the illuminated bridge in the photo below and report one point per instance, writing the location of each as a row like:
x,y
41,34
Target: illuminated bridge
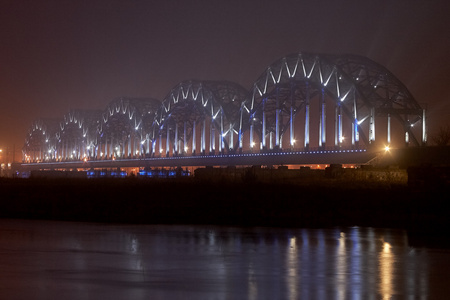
x,y
304,108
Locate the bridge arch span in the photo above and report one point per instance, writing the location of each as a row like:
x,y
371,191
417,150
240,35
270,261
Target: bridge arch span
x,y
358,89
301,101
77,134
198,110
40,143
121,129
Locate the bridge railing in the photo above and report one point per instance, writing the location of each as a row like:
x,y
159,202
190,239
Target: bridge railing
x,y
313,150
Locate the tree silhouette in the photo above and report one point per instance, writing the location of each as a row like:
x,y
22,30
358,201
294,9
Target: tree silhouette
x,y
442,138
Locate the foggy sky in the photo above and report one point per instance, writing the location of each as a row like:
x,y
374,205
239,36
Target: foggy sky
x,y
62,55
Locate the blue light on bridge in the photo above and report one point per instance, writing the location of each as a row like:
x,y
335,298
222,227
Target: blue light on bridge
x,y
106,174
163,173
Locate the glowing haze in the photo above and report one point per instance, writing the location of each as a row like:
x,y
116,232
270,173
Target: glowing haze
x,y
60,55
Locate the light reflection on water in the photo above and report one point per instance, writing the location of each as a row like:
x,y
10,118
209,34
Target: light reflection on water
x,y
43,260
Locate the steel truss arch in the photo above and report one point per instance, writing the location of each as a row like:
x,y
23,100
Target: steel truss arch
x,y
212,106
384,92
40,143
287,86
357,92
121,130
77,134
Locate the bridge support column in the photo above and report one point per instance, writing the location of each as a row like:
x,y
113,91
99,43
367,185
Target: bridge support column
x,y
139,146
291,119
231,141
185,144
193,138
212,137
388,128
355,134
291,129
271,140
281,142
203,138
252,143
111,149
160,144
338,126
168,140
130,144
322,120
263,131
372,125
153,147
175,143
240,136
307,124
221,146
424,128
277,128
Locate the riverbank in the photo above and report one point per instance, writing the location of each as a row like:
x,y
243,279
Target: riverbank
x,y
187,201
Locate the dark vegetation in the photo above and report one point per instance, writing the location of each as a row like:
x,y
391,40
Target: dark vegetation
x,y
186,201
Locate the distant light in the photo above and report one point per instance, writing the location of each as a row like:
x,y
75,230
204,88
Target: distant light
x,y
387,148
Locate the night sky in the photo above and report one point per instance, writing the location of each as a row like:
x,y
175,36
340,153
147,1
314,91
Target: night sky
x,y
61,55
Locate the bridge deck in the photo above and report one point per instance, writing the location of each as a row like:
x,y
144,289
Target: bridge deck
x,y
271,158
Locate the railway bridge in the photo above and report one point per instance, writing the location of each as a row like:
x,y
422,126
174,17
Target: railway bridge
x,y
304,108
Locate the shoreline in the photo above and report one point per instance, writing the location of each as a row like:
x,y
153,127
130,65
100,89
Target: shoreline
x,y
421,210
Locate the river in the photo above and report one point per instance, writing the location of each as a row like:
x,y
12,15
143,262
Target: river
x,y
70,260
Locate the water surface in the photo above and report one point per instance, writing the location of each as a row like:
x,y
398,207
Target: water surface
x,y
64,260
